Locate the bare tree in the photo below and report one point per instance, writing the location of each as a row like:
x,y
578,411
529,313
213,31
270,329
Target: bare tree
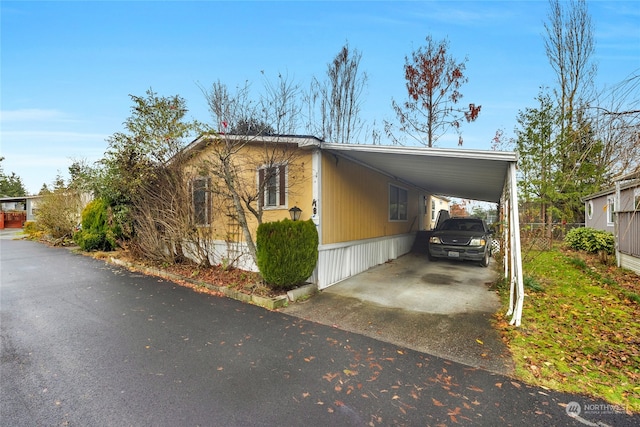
x,y
232,159
339,98
617,123
570,46
434,79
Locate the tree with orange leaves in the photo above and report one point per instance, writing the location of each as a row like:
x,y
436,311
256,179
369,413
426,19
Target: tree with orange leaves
x,y
434,79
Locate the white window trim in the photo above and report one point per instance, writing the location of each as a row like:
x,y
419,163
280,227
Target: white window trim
x,y
590,209
389,203
611,208
266,207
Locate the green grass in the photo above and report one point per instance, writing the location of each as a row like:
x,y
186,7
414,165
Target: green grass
x,y
580,330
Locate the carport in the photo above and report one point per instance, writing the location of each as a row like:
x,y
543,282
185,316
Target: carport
x,y
488,176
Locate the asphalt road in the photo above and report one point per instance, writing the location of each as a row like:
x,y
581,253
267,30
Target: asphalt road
x,y
85,343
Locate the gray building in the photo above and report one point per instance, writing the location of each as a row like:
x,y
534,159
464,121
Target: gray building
x,y
617,210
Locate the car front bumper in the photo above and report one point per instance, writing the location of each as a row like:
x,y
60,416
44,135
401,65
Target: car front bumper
x,y
471,253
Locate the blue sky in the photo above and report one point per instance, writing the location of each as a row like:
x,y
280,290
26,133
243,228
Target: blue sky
x,y
67,68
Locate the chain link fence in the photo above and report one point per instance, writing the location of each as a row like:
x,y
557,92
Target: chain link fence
x,y
535,234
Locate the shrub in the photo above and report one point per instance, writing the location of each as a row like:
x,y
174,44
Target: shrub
x,y
287,252
590,240
58,214
97,232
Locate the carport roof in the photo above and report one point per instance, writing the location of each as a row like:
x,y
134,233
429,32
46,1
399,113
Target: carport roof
x,y
464,173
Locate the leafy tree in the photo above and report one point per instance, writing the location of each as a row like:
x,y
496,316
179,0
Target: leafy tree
x,y
154,133
10,185
538,156
434,79
339,98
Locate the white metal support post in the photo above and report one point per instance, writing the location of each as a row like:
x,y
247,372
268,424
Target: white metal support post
x,y
516,254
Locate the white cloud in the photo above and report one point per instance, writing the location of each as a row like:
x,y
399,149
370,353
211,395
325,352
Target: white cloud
x,y
32,115
42,137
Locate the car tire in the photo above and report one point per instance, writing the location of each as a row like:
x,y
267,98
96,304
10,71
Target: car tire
x,y
485,260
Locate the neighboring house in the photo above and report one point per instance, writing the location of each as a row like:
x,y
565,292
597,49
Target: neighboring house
x,y
21,208
434,205
617,210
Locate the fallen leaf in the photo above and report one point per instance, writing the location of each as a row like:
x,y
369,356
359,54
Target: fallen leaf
x,y
479,341
437,402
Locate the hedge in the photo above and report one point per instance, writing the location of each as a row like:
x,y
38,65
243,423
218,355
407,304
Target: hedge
x,y
590,240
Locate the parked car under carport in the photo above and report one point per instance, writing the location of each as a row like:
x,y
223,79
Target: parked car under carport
x,y
461,239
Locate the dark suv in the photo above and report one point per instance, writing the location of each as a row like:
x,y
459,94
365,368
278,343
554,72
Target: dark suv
x,y
461,238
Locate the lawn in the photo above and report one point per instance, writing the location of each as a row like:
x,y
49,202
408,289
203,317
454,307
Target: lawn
x,y
580,328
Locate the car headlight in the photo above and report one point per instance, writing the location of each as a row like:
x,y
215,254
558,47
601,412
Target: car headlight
x,y
435,239
477,242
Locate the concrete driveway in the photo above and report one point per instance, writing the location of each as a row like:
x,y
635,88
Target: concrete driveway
x,y
443,308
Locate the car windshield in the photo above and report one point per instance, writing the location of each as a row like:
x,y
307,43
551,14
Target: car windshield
x,y
462,225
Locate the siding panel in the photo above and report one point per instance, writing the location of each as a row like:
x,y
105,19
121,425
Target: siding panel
x,y
355,203
340,261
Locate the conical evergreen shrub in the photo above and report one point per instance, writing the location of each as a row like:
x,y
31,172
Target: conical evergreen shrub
x,y
287,252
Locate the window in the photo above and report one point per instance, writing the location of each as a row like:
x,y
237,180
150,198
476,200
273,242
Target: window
x,y
273,182
398,203
610,209
590,209
433,210
201,196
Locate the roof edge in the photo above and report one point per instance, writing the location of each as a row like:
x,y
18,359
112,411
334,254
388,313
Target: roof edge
x,y
505,156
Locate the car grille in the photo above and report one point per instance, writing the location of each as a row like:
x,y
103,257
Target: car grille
x,y
455,241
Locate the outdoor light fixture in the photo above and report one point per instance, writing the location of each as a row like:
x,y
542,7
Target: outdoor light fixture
x,y
295,213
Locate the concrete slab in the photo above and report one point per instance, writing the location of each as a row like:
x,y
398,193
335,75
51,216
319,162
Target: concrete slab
x,y
443,308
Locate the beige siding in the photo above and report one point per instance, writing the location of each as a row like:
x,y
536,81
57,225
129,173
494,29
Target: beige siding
x,y
248,160
355,202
